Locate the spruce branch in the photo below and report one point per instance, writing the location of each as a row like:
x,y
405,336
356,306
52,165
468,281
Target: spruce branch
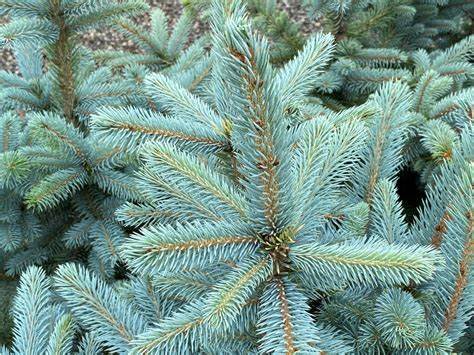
x,y
96,305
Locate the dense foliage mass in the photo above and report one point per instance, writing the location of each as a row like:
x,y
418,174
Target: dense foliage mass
x,y
240,193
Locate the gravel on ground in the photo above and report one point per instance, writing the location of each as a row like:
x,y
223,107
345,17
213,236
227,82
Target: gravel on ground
x,y
110,39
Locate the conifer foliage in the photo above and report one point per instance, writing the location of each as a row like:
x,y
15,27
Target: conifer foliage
x,y
237,194
61,186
